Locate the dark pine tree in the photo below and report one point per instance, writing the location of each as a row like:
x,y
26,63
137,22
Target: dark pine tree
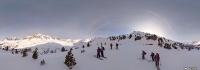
x,y
70,60
6,48
88,44
35,54
24,53
62,49
83,46
130,36
16,51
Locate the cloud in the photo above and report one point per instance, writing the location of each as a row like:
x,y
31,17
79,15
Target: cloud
x,y
86,18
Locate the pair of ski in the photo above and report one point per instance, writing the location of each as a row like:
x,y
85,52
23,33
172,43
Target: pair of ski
x,y
100,58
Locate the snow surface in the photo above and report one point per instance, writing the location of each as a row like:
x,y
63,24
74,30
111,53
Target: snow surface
x,y
127,57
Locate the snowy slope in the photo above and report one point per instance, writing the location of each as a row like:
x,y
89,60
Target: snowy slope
x,y
127,57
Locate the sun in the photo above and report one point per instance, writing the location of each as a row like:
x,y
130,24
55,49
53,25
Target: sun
x,y
151,26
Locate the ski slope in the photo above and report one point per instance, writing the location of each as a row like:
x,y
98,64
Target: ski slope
x,y
127,57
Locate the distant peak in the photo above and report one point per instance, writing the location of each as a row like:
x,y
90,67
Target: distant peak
x,y
39,35
142,33
11,38
196,43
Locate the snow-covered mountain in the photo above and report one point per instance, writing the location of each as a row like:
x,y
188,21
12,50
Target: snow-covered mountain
x,y
38,39
35,39
196,43
173,55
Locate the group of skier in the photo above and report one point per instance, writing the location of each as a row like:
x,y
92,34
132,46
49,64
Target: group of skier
x,y
100,52
155,58
117,46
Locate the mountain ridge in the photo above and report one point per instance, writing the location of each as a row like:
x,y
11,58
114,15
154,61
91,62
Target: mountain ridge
x,y
38,38
34,40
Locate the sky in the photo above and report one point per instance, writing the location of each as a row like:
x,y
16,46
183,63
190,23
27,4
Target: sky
x,y
174,19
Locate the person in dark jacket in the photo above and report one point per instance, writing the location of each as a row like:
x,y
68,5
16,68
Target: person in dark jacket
x,y
102,51
152,56
117,46
143,54
98,52
111,45
157,59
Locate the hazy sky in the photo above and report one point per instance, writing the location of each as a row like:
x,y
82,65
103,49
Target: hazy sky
x,y
175,19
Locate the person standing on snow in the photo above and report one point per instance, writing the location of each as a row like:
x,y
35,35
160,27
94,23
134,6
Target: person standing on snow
x,y
117,45
157,59
143,54
102,51
98,52
111,45
152,56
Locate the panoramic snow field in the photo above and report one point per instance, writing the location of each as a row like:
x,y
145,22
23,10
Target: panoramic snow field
x,y
127,57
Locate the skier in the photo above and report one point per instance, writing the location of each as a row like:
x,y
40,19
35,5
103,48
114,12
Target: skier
x,y
157,59
102,51
117,45
152,56
98,52
130,36
111,46
143,54
42,62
